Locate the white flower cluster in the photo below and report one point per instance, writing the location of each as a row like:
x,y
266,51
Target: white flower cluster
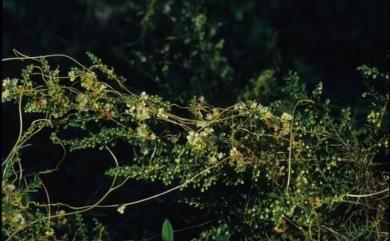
x,y
139,110
9,88
234,152
88,79
206,132
198,140
286,123
18,218
241,108
374,118
121,209
144,132
36,106
195,140
214,114
253,107
214,157
82,101
89,82
161,113
72,76
286,117
9,188
265,114
236,158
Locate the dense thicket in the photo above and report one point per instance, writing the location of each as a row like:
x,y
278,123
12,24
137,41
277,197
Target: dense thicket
x,y
210,128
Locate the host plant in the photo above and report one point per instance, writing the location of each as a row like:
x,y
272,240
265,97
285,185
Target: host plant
x,y
295,169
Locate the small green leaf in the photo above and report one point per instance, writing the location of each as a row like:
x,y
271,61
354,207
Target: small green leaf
x,y
167,231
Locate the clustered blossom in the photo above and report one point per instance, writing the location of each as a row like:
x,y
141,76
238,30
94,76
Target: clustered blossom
x,y
90,83
61,217
161,113
72,76
139,109
215,112
286,117
82,101
236,157
261,112
121,209
212,159
286,123
17,218
36,106
197,140
374,118
265,113
9,89
144,132
241,108
88,80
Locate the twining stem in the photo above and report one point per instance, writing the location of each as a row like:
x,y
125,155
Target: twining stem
x,y
292,140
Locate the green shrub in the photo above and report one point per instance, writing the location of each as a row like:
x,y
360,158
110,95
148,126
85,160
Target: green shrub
x,y
297,168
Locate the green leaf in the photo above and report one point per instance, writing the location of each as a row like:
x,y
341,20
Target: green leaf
x,y
167,231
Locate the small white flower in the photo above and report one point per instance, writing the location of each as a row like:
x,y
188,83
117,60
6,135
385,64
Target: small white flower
x,y
72,76
206,132
201,123
286,117
209,116
264,112
239,106
82,100
162,114
6,82
144,96
195,140
253,105
374,118
18,218
141,111
121,209
5,94
10,187
14,82
233,152
212,159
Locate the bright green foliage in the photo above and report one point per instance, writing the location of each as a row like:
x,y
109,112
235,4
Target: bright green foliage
x,y
24,219
290,170
220,233
167,231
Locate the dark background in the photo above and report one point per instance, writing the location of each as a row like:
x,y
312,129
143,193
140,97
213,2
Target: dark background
x,y
321,40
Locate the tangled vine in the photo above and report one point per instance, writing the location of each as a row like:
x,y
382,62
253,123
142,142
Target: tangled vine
x,y
295,169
